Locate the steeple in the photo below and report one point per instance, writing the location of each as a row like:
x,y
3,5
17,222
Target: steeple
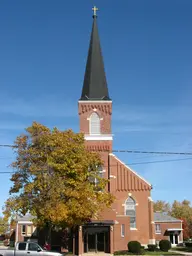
x,y
95,106
95,84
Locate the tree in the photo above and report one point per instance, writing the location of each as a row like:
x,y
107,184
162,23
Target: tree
x,y
190,227
181,210
3,225
53,178
161,206
185,228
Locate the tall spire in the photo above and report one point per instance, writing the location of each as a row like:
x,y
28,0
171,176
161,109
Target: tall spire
x,y
95,84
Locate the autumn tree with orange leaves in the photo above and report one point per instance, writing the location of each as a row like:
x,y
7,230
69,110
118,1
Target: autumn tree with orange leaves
x,y
52,178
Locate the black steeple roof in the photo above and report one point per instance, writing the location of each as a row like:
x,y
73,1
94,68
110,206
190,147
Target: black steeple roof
x,y
95,84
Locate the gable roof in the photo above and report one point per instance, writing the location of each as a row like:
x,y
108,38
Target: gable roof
x,y
131,180
27,217
164,217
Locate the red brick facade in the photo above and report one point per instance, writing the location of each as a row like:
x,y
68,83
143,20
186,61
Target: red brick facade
x,y
29,231
104,111
124,183
164,233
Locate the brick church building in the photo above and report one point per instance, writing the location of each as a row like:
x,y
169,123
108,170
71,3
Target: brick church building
x,y
131,216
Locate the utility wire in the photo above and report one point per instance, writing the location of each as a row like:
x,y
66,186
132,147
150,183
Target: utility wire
x,y
126,151
152,152
7,146
130,164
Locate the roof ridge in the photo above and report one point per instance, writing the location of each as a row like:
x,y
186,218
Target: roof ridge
x,y
131,169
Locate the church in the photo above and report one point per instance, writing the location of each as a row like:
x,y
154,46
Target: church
x,y
131,216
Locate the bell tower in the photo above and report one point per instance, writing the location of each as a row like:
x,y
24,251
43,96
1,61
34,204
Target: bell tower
x,y
95,105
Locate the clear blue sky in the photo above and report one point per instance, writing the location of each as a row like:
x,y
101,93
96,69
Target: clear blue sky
x,y
147,48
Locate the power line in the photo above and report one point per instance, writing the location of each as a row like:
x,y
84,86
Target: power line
x,y
7,146
152,152
129,164
126,151
162,161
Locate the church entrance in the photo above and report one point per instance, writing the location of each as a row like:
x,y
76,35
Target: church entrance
x,y
96,239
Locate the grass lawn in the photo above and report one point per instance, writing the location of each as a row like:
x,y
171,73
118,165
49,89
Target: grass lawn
x,y
161,253
183,249
146,252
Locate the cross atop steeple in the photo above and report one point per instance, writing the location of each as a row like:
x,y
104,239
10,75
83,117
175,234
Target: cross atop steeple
x,y
95,9
95,84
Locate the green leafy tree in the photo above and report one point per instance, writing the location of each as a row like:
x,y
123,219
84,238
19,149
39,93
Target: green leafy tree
x,y
181,209
3,225
161,206
52,179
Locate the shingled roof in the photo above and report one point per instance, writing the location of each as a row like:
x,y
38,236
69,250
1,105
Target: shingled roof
x,y
95,84
164,217
27,217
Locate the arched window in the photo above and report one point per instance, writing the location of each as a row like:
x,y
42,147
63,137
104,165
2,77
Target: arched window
x,y
96,174
94,124
131,211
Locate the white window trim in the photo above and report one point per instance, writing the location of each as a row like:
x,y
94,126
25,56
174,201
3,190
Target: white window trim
x,y
31,232
122,233
95,115
157,231
131,228
23,233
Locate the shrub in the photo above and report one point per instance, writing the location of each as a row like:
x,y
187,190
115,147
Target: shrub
x,y
152,247
134,247
128,253
121,253
164,245
188,244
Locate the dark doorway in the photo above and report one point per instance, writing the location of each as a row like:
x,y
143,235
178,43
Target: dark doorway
x,y
100,242
96,239
91,242
171,238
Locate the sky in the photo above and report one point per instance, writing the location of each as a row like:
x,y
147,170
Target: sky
x,y
147,50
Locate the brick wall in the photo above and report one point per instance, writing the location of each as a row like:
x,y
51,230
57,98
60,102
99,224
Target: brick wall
x,y
29,231
168,225
103,109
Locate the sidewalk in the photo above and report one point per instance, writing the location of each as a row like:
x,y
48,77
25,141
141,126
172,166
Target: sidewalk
x,y
184,253
3,247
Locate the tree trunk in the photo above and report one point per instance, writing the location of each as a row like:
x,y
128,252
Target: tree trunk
x,y
48,233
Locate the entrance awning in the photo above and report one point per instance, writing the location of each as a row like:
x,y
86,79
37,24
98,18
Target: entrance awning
x,y
174,229
170,231
100,223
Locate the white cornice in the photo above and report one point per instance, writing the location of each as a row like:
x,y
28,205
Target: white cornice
x,y
98,137
95,101
24,222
